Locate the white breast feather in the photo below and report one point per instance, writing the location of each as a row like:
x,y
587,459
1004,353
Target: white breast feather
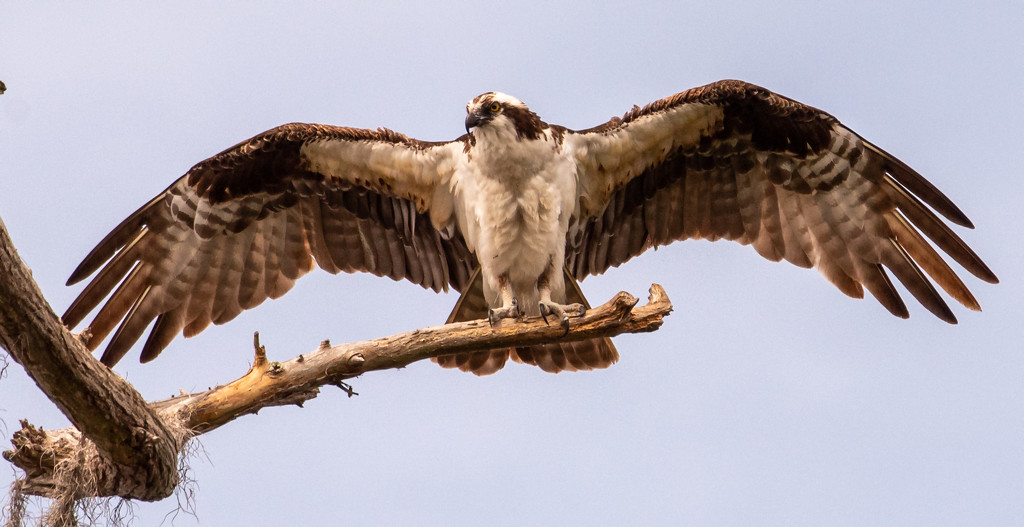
x,y
514,201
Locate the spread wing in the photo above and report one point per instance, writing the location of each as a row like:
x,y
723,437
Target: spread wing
x,y
735,161
242,226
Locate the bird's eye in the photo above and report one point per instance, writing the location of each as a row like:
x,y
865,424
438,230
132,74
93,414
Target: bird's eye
x,y
495,107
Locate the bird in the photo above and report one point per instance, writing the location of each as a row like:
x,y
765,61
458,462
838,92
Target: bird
x,y
515,212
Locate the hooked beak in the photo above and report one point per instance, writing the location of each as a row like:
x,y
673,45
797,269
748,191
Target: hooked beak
x,y
473,120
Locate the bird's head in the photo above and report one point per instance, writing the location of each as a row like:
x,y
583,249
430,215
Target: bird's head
x,y
501,114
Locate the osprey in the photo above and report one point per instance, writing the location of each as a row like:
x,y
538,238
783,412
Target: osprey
x,y
516,211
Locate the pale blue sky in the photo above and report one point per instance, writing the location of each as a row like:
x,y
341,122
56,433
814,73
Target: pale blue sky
x,y
768,398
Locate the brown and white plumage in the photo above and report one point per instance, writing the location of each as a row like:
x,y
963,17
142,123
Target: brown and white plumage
x,y
521,207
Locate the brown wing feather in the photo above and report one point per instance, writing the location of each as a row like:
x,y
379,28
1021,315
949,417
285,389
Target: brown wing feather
x,y
242,226
735,161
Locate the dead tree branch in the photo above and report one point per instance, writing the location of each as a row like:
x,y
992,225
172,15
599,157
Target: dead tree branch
x,y
137,453
299,379
69,375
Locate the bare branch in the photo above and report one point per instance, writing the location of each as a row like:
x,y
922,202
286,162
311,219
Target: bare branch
x,y
138,451
122,446
271,383
299,379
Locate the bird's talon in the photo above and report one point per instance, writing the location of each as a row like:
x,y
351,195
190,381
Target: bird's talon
x,y
544,312
495,316
562,312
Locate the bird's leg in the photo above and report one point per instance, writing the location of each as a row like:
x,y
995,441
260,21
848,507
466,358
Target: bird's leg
x,y
549,307
509,305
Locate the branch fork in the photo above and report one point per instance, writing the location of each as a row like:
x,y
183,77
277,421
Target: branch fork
x,y
122,446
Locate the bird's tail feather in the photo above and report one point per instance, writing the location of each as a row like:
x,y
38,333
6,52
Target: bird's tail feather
x,y
555,357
